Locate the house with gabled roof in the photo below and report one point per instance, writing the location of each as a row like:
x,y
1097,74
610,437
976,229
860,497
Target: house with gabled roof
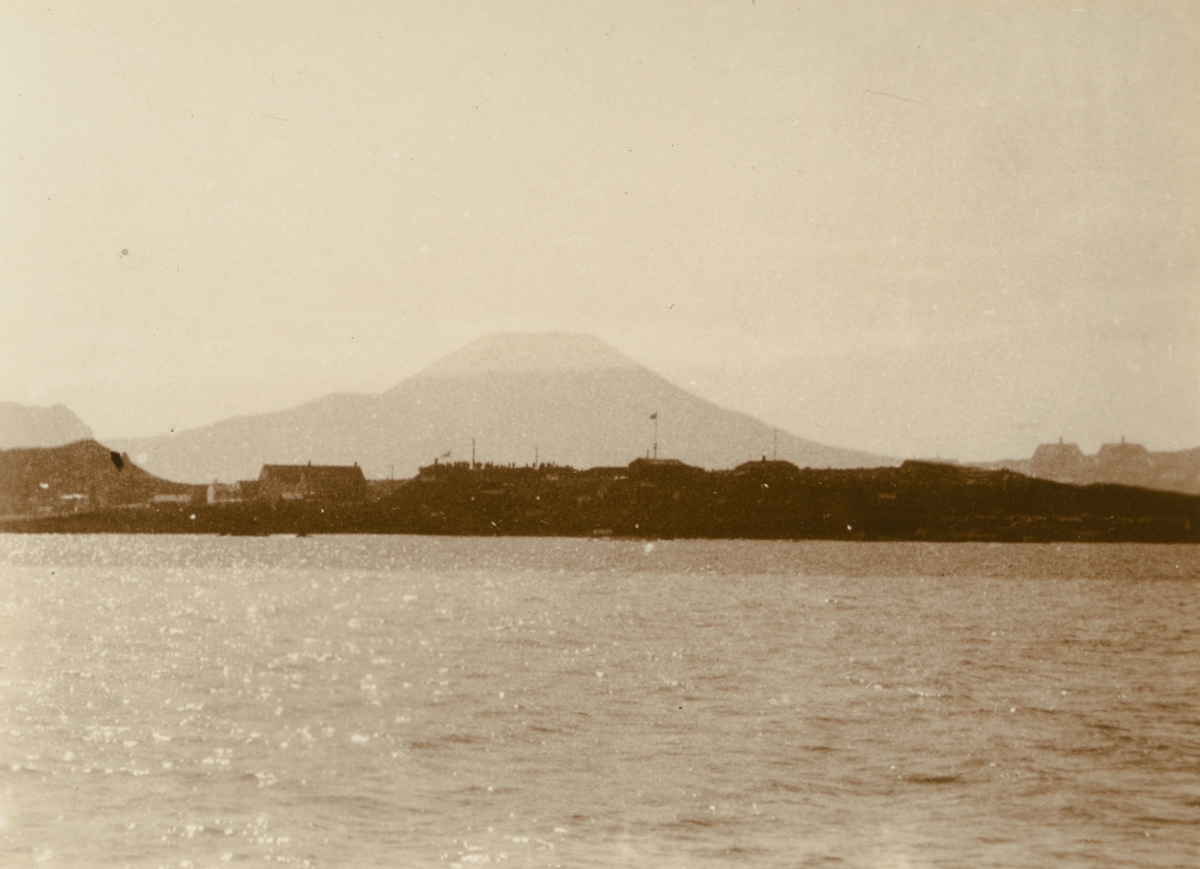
x,y
312,482
1059,461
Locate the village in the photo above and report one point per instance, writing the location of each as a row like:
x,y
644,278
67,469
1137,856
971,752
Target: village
x,y
91,489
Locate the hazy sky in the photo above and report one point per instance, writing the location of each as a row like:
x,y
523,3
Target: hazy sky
x,y
919,228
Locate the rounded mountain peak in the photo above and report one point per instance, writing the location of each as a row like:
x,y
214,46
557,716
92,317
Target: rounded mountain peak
x,y
531,353
30,426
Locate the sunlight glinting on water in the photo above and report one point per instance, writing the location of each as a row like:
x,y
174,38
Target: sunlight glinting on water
x,y
430,701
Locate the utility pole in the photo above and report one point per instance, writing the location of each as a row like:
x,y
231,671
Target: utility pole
x,y
654,416
472,454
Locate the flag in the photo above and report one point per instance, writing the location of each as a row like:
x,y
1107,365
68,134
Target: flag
x,y
446,454
654,415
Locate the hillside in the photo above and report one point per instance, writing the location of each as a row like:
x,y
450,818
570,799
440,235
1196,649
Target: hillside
x,y
24,425
569,399
83,475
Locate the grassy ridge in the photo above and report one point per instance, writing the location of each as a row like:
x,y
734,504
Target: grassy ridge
x,y
767,500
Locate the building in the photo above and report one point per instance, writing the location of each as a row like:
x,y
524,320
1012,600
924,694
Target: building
x,y
311,482
1116,461
662,468
1059,461
223,493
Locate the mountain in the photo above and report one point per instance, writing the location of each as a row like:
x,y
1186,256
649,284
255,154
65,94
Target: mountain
x,y
23,425
79,475
565,398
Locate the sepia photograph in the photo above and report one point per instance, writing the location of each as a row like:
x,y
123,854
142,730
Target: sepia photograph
x,y
677,433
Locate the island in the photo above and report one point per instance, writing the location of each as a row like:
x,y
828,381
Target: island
x,y
648,498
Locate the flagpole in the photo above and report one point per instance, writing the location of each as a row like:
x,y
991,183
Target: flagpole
x,y
656,434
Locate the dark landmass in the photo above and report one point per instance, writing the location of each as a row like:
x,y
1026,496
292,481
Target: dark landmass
x,y
659,499
82,477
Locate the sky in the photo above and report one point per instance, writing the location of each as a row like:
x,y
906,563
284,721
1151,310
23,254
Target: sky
x,y
918,228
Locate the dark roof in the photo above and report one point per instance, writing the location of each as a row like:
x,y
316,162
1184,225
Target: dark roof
x,y
1058,450
768,465
1122,449
293,474
662,464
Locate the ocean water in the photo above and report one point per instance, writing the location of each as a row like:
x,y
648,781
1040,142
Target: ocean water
x,y
403,701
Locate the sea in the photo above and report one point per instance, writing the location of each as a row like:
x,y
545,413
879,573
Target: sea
x,y
397,701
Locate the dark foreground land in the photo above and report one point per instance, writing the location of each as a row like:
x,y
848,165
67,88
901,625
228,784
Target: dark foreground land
x,y
648,499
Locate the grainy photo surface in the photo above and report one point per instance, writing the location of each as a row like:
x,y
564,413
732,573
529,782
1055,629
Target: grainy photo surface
x,y
672,434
